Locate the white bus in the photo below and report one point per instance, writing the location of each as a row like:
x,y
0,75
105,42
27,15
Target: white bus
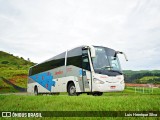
x,y
85,69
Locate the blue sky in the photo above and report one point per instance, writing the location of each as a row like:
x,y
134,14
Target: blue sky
x,y
40,29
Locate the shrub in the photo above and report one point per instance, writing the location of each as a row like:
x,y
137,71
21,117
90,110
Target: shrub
x,y
4,62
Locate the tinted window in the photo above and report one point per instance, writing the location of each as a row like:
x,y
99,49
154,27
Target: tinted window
x,y
74,57
48,66
75,61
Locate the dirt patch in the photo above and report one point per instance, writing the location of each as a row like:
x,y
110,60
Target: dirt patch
x,y
142,85
19,80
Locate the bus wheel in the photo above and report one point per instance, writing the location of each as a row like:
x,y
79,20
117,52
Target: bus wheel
x,y
35,90
89,94
100,93
97,94
72,89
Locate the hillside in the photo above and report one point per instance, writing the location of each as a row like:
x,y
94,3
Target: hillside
x,y
14,69
142,77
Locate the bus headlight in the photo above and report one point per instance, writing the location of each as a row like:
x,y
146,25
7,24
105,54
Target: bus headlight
x,y
122,82
97,81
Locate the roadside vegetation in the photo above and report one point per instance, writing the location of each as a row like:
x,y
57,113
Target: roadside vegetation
x,y
14,69
142,76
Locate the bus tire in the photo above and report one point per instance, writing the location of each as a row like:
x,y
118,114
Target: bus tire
x,y
89,93
72,90
36,90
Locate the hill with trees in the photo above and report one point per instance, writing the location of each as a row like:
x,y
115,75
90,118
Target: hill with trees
x,y
142,76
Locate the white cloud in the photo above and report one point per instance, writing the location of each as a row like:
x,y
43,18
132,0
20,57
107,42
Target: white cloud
x,y
39,29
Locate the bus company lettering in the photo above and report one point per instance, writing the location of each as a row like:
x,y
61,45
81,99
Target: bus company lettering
x,y
69,69
59,73
103,77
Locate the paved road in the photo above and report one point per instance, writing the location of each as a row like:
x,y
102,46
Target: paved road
x,y
18,93
25,93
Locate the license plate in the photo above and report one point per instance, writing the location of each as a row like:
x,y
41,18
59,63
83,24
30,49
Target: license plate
x,y
113,87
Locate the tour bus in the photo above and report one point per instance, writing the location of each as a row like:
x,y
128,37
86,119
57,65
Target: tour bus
x,y
84,69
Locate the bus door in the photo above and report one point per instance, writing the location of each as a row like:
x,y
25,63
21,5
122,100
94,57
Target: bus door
x,y
86,71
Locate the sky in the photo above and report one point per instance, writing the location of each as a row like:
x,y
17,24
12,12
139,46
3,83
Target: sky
x,y
41,29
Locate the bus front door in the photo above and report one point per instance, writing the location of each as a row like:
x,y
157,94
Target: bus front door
x,y
86,74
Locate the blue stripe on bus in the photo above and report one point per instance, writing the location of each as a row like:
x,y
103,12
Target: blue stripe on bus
x,y
45,79
80,72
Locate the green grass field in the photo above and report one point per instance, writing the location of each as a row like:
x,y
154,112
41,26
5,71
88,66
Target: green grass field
x,y
127,100
81,103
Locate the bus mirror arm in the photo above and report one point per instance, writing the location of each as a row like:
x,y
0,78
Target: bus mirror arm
x,y
118,52
125,56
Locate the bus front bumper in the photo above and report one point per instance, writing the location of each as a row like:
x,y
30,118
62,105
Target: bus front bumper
x,y
111,87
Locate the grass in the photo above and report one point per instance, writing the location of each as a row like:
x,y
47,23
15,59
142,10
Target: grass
x,y
146,78
80,103
127,100
5,88
20,80
114,101
143,90
8,73
14,75
149,79
15,69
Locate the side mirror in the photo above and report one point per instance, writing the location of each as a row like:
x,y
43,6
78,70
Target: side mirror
x,y
118,52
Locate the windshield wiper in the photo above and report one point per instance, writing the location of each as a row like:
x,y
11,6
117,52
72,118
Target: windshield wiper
x,y
116,71
106,67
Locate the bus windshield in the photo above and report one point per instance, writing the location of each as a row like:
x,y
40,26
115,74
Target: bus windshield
x,y
106,61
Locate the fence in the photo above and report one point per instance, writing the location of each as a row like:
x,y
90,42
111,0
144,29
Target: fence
x,y
144,90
